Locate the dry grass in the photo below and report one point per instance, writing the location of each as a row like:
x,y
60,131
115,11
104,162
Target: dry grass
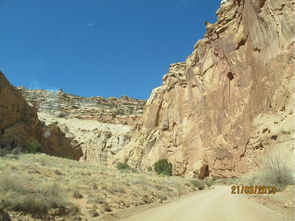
x,y
226,181
49,183
21,192
200,184
274,170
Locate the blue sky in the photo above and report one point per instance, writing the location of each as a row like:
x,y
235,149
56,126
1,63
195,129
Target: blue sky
x,y
98,47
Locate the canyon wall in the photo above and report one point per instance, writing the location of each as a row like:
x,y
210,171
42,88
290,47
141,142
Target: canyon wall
x,y
99,126
227,105
230,102
20,126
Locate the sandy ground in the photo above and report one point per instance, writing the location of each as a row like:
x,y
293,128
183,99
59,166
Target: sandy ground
x,y
281,201
210,205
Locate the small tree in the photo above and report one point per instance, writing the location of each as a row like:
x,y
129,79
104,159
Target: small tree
x,y
163,167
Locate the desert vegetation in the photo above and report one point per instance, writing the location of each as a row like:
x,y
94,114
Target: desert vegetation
x,y
48,187
28,194
124,166
274,170
34,147
163,166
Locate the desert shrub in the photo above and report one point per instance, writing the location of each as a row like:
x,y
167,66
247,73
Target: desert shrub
x,y
34,147
115,189
163,167
4,152
23,194
96,199
274,170
93,212
200,184
57,172
77,195
123,166
209,181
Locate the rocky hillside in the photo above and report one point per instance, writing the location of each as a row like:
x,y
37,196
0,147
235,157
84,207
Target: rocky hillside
x,y
100,126
20,126
231,101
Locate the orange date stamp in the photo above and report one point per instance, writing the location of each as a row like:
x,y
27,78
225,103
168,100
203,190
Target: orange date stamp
x,y
253,189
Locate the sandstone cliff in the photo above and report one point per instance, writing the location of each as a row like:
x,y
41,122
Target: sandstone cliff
x,y
231,101
19,126
100,126
123,110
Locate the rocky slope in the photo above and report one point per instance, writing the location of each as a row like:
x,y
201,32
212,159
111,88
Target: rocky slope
x,y
100,126
231,101
20,126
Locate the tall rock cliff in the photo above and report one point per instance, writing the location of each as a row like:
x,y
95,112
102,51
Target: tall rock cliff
x,y
19,126
231,101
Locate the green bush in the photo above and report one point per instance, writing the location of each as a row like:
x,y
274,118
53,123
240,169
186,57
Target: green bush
x,y
163,167
123,166
34,147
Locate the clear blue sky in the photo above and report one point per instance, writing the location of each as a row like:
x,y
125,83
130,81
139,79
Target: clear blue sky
x,y
98,47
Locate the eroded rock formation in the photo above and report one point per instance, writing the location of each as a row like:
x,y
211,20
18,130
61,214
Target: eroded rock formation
x,y
231,101
100,126
123,110
19,126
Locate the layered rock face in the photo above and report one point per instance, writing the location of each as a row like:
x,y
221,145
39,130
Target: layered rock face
x,y
124,110
19,126
100,126
231,101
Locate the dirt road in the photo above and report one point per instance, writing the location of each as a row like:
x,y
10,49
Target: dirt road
x,y
216,204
